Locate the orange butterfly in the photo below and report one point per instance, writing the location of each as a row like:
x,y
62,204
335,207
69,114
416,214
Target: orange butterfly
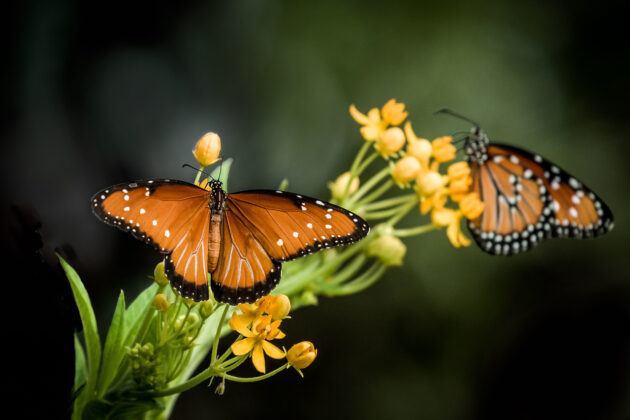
x,y
239,238
527,198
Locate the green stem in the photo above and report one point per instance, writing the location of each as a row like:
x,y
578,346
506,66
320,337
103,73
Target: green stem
x,y
389,202
369,184
376,194
217,335
353,169
346,273
366,163
360,283
256,378
201,168
418,230
384,214
403,211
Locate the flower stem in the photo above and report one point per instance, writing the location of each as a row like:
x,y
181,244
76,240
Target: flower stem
x,y
201,168
217,335
256,378
369,184
376,194
403,211
362,282
389,202
418,230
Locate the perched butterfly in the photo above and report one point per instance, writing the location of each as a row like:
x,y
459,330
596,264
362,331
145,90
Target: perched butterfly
x,y
527,199
240,238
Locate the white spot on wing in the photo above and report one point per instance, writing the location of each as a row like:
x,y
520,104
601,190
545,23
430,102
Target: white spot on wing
x,y
167,233
280,241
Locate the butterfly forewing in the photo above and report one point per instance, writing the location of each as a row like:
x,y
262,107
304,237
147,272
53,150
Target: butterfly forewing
x,y
291,225
172,216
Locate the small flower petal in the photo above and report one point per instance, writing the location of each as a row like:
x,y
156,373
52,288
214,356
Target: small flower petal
x,y
237,324
258,358
208,149
243,346
301,355
443,150
406,170
272,351
393,112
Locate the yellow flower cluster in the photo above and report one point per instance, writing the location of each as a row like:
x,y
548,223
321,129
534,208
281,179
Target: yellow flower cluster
x,y
259,323
419,165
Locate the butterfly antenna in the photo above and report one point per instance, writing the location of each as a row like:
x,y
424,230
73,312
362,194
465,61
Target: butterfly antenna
x,y
455,114
185,165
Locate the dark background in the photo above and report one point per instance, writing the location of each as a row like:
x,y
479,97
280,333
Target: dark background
x,y
101,93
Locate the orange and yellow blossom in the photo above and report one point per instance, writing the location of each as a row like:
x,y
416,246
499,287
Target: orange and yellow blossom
x,y
470,207
255,339
208,149
376,122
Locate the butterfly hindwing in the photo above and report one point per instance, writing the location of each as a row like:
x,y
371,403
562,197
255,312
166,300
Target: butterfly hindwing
x,y
245,271
172,216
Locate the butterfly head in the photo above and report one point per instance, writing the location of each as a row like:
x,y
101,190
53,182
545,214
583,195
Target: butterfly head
x,y
217,196
476,147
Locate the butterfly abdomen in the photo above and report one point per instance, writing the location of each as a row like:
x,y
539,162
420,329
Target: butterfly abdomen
x,y
214,242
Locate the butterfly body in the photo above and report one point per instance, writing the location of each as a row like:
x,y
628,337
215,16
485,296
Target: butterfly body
x,y
240,239
528,199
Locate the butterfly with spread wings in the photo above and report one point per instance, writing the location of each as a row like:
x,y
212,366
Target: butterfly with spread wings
x,y
527,199
241,239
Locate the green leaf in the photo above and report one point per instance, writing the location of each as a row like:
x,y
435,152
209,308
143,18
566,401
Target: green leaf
x,y
120,410
222,172
80,375
114,349
92,341
137,312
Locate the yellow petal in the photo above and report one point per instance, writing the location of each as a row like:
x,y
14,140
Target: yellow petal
x,y
463,239
237,324
358,116
374,116
258,358
370,132
452,231
272,351
394,112
243,346
443,217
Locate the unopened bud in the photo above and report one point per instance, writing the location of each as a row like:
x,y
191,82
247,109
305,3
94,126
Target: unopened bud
x,y
406,170
208,149
160,301
388,249
159,276
338,188
391,141
301,355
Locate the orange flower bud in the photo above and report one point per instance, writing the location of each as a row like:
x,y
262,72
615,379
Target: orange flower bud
x,y
443,150
471,206
458,170
301,355
208,149
406,170
429,183
393,112
391,141
277,306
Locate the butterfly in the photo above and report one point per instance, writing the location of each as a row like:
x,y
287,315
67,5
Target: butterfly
x,y
527,199
240,239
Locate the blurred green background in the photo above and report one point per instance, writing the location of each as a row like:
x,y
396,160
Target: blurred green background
x,y
101,93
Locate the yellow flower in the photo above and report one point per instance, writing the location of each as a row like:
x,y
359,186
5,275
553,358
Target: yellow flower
x,y
255,340
250,311
450,218
277,306
208,149
301,355
372,124
390,141
442,149
338,188
458,170
471,206
394,112
406,170
417,147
